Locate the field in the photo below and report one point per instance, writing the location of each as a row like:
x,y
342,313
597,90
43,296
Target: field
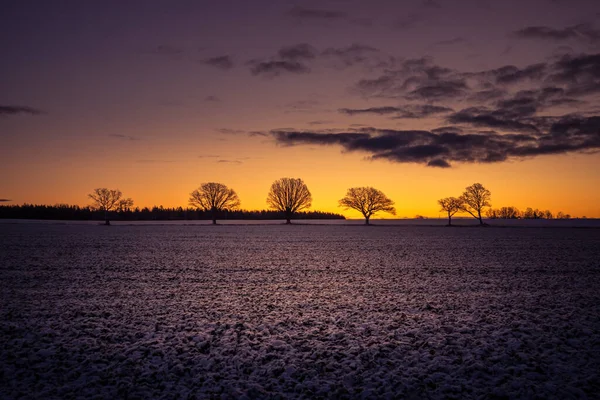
x,y
301,311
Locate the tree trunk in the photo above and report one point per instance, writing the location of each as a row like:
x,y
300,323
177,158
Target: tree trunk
x,y
449,219
479,216
214,220
213,213
367,219
106,221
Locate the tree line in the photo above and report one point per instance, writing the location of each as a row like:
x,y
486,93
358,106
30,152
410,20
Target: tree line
x,y
476,198
156,213
529,213
287,198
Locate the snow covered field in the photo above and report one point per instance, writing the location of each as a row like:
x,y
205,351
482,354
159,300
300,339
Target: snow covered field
x,y
261,311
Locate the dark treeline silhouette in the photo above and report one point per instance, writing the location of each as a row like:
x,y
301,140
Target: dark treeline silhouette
x,y
74,212
529,213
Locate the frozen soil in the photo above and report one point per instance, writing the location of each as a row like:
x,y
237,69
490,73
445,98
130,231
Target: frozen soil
x,y
179,312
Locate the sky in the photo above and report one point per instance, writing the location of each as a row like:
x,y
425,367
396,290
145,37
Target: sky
x,y
418,99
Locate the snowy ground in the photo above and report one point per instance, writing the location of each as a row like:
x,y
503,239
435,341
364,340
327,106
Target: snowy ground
x,y
298,311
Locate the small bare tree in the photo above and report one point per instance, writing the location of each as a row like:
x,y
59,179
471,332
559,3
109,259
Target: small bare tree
x,y
125,204
289,195
106,200
451,205
368,201
474,199
214,197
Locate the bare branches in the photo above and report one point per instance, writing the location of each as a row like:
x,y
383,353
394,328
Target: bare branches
x,y
107,200
450,205
125,204
214,197
368,201
289,195
474,199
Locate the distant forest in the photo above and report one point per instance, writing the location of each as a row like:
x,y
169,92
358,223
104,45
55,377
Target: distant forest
x,y
73,212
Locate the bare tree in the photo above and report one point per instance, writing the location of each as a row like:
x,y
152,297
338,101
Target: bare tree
x,y
125,204
214,197
474,199
451,205
107,200
289,195
368,201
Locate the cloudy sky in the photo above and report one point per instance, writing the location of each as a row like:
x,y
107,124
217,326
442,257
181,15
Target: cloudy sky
x,y
417,98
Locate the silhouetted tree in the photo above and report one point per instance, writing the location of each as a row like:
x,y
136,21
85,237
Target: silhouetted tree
x,y
289,195
368,201
125,204
474,199
106,200
503,213
214,197
561,215
451,205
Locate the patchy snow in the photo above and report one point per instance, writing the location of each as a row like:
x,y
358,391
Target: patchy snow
x,y
298,311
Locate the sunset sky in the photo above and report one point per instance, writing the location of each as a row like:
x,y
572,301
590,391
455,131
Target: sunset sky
x,y
416,98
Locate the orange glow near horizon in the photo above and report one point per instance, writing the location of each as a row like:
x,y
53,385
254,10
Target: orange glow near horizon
x,y
167,181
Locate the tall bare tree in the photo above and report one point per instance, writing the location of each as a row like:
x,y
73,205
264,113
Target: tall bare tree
x,y
214,197
368,201
450,205
289,195
107,200
474,199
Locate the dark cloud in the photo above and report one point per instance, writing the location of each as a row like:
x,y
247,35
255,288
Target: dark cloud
x,y
16,110
276,68
508,113
484,96
443,146
580,74
407,111
298,52
4,200
483,117
440,90
438,162
372,110
212,99
257,133
579,32
510,74
447,129
229,162
316,14
123,137
221,62
416,79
